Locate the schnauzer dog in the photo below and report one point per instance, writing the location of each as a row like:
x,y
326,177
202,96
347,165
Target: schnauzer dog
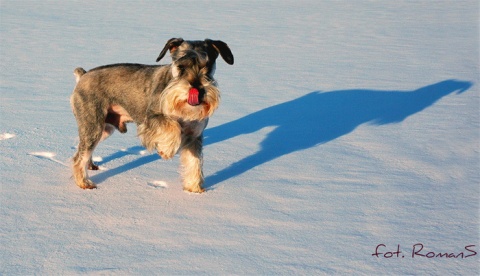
x,y
170,104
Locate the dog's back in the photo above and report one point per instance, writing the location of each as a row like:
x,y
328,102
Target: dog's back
x,y
130,76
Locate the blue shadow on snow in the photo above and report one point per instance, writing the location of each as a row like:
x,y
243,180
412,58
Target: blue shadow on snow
x,y
320,117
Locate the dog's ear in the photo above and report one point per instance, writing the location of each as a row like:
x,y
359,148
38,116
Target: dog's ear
x,y
172,45
222,48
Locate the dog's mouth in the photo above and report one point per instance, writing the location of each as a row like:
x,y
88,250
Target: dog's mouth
x,y
193,97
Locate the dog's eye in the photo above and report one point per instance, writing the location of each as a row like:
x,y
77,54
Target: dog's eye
x,y
203,54
181,67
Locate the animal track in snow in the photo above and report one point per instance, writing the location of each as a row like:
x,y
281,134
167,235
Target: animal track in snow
x,y
135,150
5,136
156,184
97,159
47,155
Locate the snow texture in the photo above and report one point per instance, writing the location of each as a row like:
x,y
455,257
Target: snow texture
x,y
344,125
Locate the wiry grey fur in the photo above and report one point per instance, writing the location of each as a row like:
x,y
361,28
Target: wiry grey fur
x,y
155,98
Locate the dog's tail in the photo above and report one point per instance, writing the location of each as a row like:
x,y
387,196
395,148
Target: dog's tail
x,y
78,72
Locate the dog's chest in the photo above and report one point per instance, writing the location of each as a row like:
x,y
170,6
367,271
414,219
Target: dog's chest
x,y
193,128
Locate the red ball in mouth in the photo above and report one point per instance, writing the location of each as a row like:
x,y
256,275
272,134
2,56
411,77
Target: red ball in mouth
x,y
193,96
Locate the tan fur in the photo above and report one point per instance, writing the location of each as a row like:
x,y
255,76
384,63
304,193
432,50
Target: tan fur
x,y
161,133
80,173
174,103
78,72
156,99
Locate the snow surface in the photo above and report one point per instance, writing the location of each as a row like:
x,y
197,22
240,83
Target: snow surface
x,y
343,125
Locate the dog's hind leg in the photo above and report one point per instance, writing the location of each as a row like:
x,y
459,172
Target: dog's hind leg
x,y
192,161
108,130
91,126
116,117
83,158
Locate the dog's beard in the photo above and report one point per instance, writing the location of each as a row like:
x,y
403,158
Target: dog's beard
x,y
173,101
170,113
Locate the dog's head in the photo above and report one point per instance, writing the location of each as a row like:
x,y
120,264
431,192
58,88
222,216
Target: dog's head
x,y
192,94
208,49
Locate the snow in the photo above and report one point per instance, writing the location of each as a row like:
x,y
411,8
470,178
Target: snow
x,y
343,125
5,136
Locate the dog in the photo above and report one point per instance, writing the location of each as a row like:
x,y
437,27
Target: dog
x,y
170,104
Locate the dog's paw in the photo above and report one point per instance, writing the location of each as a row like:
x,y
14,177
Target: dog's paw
x,y
168,144
168,152
194,189
161,133
166,156
93,167
87,184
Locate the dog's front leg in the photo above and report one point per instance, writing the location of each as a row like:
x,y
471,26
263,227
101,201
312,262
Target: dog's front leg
x,y
161,133
192,162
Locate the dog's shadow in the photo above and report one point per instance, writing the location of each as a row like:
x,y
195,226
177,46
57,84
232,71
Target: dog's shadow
x,y
313,119
104,175
320,117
